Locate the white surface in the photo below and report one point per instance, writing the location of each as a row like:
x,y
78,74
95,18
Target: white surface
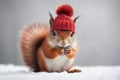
x,y
12,72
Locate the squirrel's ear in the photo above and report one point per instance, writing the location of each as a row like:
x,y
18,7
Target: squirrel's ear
x,y
76,19
51,19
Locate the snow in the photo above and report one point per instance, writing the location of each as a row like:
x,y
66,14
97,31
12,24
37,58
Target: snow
x,y
14,72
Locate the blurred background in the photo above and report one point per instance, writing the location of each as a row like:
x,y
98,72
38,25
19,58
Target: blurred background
x,y
98,28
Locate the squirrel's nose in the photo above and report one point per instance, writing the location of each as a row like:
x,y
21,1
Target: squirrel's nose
x,y
63,43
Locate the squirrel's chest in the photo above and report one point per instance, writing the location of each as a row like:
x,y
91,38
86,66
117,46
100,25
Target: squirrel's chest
x,y
60,63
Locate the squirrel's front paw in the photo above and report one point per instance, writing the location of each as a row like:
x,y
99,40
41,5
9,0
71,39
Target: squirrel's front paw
x,y
60,51
67,50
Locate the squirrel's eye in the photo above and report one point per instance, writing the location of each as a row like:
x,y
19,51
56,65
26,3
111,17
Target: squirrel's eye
x,y
71,34
54,33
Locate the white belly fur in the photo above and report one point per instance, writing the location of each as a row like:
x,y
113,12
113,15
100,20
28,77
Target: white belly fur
x,y
60,63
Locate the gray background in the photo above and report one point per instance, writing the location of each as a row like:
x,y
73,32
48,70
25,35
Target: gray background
x,y
98,28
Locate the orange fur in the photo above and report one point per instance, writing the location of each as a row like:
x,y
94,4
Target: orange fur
x,y
63,34
41,61
48,51
72,53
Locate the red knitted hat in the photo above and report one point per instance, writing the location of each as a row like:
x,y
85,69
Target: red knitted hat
x,y
63,21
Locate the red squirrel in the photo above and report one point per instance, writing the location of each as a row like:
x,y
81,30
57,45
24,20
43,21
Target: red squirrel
x,y
51,49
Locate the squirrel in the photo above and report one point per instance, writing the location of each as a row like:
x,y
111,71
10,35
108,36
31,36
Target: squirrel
x,y
51,49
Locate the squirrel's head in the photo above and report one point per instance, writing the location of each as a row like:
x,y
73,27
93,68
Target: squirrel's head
x,y
62,28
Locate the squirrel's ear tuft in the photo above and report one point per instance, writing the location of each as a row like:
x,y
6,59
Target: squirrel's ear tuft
x,y
76,19
51,19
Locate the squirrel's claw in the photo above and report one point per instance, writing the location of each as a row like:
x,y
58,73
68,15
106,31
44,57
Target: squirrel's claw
x,y
64,51
67,50
74,71
60,51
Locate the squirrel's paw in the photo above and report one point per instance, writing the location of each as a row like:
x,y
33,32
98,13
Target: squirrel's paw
x,y
74,71
60,51
67,50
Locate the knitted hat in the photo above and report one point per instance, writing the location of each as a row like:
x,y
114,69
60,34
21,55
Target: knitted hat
x,y
63,20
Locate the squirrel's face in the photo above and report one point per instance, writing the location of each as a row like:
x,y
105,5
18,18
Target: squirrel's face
x,y
61,38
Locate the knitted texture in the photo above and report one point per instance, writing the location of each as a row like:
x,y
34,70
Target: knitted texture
x,y
63,21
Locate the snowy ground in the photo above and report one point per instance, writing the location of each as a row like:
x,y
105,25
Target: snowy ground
x,y
12,72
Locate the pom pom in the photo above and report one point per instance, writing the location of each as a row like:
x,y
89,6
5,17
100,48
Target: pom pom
x,y
65,9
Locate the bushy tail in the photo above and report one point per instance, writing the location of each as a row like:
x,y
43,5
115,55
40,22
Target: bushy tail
x,y
31,38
